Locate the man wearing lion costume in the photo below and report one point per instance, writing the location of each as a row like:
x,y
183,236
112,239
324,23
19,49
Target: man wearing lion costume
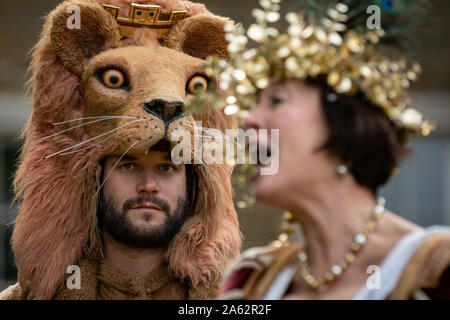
x,y
96,187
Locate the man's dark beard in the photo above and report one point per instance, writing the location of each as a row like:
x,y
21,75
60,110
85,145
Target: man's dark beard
x,y
117,224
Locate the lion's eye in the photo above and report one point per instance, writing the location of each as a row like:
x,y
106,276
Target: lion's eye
x,y
113,78
197,82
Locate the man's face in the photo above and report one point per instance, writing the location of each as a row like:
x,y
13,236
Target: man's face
x,y
143,202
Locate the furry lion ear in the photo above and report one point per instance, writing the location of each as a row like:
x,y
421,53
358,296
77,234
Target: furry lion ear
x,y
200,36
79,31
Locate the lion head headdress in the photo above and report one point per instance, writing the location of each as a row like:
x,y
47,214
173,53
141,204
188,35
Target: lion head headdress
x,y
100,89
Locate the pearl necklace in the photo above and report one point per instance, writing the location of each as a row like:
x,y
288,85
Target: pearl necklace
x,y
337,269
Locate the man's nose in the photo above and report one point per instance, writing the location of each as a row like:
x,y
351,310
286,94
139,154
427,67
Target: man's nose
x,y
147,185
165,110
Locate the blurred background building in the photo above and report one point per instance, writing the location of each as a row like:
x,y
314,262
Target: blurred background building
x,y
420,192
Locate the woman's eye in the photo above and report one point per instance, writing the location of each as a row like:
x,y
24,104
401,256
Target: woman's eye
x,y
166,168
274,101
197,83
113,78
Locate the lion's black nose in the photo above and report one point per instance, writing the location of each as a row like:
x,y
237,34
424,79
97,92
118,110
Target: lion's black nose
x,y
165,110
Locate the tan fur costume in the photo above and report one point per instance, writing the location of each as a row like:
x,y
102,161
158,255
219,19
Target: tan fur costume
x,y
57,224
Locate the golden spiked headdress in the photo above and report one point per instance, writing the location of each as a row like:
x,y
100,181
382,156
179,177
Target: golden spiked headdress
x,y
349,57
149,16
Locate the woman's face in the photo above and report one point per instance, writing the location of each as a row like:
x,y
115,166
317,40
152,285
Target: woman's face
x,y
294,108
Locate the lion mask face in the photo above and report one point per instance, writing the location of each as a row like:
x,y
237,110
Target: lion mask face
x,y
147,101
141,89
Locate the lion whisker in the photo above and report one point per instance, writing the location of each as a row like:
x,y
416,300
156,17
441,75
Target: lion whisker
x,y
95,144
212,132
203,164
103,117
204,135
93,138
115,164
77,126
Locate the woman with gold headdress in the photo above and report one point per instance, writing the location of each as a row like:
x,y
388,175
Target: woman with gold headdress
x,y
343,117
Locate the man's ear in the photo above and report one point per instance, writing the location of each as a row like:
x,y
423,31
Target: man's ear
x,y
81,30
200,36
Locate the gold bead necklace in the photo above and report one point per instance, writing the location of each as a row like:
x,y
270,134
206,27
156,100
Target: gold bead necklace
x,y
321,284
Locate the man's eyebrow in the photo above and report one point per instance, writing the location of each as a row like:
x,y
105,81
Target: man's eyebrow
x,y
167,156
127,158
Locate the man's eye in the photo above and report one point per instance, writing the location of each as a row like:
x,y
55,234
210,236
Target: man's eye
x,y
127,166
166,167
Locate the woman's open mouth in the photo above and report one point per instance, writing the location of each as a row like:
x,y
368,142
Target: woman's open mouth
x,y
262,157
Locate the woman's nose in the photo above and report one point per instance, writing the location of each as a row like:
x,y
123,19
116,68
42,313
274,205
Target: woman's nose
x,y
253,120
